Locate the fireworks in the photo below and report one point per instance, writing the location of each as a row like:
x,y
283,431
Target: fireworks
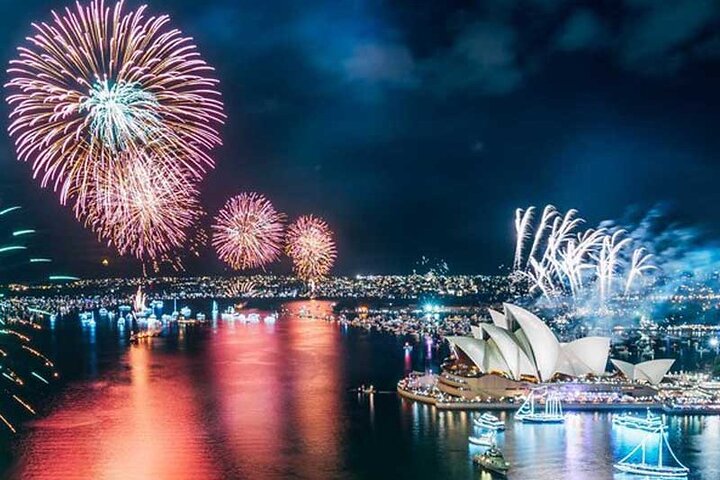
x,y
98,82
563,261
311,248
248,232
140,208
118,113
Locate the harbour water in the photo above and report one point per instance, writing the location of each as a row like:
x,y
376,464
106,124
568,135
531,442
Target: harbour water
x,y
232,400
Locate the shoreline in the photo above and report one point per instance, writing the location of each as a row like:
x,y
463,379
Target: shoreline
x,y
571,407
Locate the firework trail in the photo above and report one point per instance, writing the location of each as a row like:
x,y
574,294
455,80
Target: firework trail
x,y
24,368
97,86
638,265
310,246
564,261
248,232
16,250
522,222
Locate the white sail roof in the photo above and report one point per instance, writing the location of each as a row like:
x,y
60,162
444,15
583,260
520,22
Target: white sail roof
x,y
494,361
545,347
652,371
499,319
476,332
626,368
532,349
586,355
472,347
517,361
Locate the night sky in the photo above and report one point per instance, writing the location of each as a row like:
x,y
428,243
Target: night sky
x,y
416,128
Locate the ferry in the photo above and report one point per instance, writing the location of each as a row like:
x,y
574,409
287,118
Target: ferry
x,y
487,420
485,440
492,460
648,423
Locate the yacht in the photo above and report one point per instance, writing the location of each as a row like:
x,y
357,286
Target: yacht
x,y
486,439
487,420
648,423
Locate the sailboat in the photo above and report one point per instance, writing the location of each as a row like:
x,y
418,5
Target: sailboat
x,y
652,469
552,413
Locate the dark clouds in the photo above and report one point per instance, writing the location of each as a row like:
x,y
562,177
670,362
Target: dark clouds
x,y
416,128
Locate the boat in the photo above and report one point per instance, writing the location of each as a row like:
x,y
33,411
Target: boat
x,y
200,317
253,318
366,389
270,319
87,319
648,423
552,412
487,420
103,312
659,469
185,312
493,460
486,439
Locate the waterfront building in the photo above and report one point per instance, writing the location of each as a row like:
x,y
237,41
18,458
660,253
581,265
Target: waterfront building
x,y
517,351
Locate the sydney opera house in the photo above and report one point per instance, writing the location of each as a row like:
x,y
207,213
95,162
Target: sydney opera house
x,y
517,350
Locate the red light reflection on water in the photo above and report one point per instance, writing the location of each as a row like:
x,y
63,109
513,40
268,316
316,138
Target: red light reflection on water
x,y
259,401
138,424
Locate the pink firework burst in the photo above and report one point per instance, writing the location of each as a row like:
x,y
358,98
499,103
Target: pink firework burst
x,y
311,248
248,232
141,209
97,86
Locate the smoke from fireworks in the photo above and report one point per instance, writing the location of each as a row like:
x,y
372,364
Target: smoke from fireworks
x,y
564,261
311,248
248,232
98,91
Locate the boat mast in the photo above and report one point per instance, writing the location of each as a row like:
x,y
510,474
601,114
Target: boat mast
x,y
643,452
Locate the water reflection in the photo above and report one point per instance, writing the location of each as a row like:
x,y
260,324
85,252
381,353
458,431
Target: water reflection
x,y
273,401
